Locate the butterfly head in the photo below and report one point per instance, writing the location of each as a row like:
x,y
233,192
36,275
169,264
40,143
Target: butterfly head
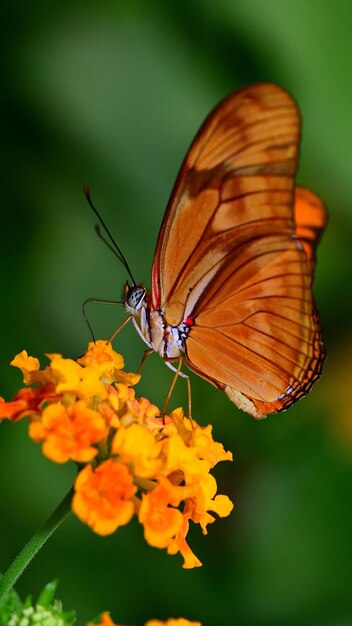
x,y
134,297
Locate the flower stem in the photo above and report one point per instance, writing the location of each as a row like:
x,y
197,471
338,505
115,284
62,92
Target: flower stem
x,y
33,546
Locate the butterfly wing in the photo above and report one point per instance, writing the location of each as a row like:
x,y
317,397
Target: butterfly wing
x,y
310,220
228,260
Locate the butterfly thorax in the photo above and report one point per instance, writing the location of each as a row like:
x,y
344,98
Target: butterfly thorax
x,y
164,338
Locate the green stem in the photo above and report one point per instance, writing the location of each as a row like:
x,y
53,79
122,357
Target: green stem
x,y
33,546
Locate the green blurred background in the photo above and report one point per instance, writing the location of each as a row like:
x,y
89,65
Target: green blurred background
x,y
111,94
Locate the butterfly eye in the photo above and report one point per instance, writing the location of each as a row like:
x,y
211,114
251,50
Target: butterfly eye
x,y
134,296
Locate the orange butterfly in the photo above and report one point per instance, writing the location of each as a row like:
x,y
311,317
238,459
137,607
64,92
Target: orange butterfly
x,y
234,261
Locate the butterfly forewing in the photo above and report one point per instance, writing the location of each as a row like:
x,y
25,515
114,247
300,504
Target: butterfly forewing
x,y
231,260
250,135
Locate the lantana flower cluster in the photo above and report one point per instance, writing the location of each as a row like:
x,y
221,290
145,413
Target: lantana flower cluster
x,y
132,460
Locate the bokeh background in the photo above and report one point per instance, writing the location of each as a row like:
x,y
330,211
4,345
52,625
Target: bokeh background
x,y
111,94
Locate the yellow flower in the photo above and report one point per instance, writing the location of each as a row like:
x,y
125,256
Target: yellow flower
x,y
191,448
179,456
28,365
206,447
102,496
108,363
101,353
76,381
68,433
137,446
204,499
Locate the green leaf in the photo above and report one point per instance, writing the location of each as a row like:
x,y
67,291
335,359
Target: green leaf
x,y
11,605
47,595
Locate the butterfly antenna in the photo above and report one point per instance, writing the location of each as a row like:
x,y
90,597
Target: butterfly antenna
x,y
114,247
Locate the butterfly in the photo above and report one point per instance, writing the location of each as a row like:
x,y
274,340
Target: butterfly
x,y
235,257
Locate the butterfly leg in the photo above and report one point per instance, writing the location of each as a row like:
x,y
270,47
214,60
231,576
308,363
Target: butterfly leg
x,y
144,358
119,328
183,375
171,388
189,401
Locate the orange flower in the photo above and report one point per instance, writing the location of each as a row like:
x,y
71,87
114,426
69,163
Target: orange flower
x,y
161,522
141,408
102,498
115,404
105,620
69,433
179,544
27,402
164,525
181,621
10,410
